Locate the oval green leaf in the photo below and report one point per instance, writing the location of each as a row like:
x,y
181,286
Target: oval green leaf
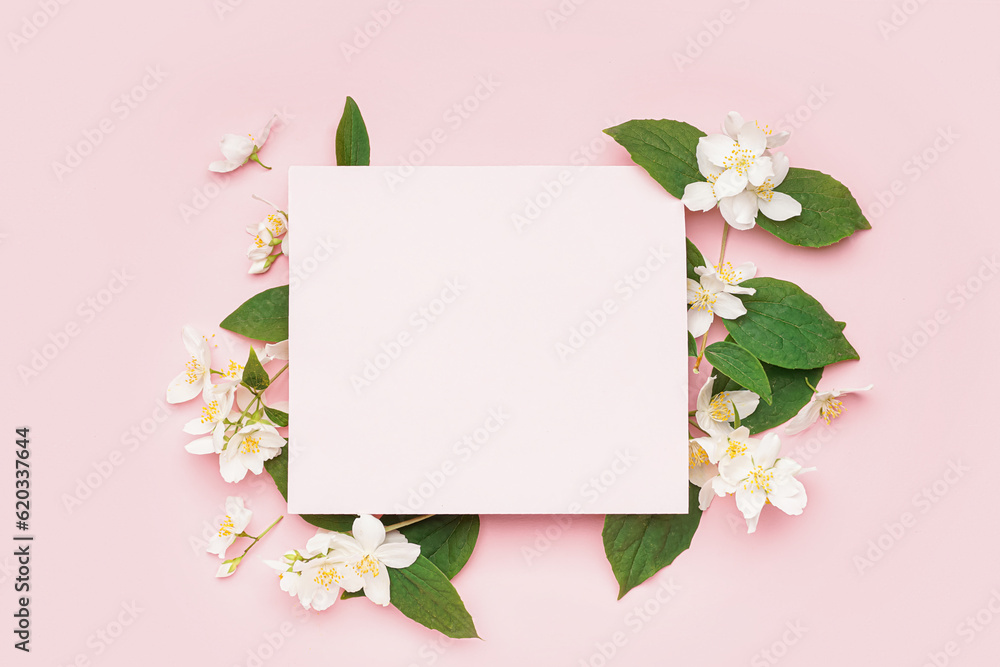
x,y
738,364
353,147
664,148
830,212
424,594
640,545
261,317
786,327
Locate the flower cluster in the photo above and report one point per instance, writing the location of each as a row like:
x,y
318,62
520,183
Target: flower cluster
x,y
741,174
714,294
242,439
728,461
336,562
270,232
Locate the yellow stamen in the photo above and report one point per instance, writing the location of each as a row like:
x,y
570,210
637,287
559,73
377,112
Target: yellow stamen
x,y
697,456
226,528
831,409
251,444
758,480
367,565
720,409
735,448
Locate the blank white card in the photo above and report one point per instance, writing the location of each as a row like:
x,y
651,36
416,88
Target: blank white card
x,y
491,340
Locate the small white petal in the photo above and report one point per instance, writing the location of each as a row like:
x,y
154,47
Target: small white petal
x,y
780,207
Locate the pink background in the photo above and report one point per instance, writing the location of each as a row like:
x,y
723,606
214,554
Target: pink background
x,y
862,104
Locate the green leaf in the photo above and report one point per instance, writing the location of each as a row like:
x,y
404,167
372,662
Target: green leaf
x,y
664,148
424,594
254,375
279,417
447,540
829,211
694,258
353,148
741,366
277,468
786,327
640,545
262,317
789,393
692,346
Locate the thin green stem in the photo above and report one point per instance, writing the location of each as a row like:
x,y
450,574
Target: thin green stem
x,y
725,237
278,374
257,539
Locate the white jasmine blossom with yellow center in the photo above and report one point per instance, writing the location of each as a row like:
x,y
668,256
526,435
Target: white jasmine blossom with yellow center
x,y
232,526
196,378
238,149
368,552
247,450
708,298
713,413
825,405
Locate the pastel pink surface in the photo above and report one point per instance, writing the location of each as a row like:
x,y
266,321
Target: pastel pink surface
x,y
892,113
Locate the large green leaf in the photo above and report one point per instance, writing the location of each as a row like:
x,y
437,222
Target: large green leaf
x,y
829,211
262,317
640,545
424,594
447,540
786,327
664,148
741,366
789,393
353,147
254,375
279,417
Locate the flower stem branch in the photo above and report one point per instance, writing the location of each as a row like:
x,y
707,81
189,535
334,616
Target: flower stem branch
x,y
408,522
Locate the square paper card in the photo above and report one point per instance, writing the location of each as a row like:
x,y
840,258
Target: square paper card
x,y
505,340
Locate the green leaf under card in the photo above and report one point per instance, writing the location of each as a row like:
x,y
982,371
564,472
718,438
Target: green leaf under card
x,y
262,317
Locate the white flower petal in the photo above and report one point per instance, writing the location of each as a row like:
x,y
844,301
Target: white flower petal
x,y
727,306
236,147
397,554
776,139
753,139
266,131
699,196
760,171
716,148
804,418
740,211
699,321
224,166
744,401
767,451
730,183
780,207
377,586
779,163
369,532
732,124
